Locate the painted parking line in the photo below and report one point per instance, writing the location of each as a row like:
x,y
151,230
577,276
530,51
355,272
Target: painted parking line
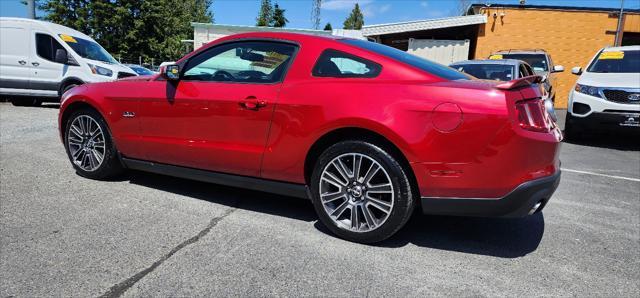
x,y
602,175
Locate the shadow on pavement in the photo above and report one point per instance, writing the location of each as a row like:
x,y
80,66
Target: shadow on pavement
x,y
295,208
506,238
616,141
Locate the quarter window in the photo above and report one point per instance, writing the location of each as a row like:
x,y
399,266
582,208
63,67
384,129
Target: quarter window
x,y
46,46
249,62
338,64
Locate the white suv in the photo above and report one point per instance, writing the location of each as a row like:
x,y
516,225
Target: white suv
x,y
607,94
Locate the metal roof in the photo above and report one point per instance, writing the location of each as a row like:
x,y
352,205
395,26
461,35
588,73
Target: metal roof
x,y
421,25
554,7
241,29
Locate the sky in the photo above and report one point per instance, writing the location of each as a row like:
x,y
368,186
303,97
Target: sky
x,y
244,12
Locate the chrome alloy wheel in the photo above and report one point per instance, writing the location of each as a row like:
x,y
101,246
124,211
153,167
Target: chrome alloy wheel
x,y
86,143
357,183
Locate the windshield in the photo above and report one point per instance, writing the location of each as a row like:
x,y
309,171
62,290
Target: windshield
x,y
88,49
404,57
499,72
537,61
616,62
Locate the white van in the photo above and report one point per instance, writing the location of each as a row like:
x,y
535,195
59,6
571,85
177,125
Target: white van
x,y
39,61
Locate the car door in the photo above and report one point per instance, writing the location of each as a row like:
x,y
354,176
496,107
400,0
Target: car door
x,y
217,116
46,73
15,69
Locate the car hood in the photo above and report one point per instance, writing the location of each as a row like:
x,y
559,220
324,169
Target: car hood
x,y
115,67
139,78
620,80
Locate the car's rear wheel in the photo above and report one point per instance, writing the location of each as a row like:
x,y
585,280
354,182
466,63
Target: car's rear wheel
x,y
90,147
361,192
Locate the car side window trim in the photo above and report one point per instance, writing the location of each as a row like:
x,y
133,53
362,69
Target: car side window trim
x,y
340,54
296,50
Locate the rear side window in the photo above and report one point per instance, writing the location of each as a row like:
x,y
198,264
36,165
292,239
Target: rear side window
x,y
46,46
409,59
338,64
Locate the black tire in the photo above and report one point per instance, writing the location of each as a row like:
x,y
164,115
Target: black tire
x,y
571,133
26,102
67,88
111,165
403,201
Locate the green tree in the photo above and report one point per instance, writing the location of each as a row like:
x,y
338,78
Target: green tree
x,y
328,27
278,19
355,21
265,15
132,28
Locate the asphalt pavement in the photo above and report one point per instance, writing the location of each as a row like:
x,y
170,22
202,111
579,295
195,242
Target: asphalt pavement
x,y
151,235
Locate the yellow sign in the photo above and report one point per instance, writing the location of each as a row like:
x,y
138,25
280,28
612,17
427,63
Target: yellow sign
x,y
68,38
611,55
495,57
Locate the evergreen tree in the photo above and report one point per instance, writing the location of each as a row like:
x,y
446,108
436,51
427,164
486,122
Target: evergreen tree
x,y
265,15
278,20
355,21
132,28
328,27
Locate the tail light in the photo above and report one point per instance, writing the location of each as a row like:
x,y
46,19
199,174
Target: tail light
x,y
532,115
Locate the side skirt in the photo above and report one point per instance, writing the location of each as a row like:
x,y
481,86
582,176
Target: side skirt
x,y
271,186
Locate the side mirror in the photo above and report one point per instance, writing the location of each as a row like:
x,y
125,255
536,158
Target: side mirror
x,y
171,72
61,56
576,70
558,68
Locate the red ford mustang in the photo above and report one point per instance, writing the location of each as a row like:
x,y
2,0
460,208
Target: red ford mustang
x,y
367,132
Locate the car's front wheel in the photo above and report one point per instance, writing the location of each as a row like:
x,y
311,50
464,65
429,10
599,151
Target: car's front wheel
x,y
361,192
90,147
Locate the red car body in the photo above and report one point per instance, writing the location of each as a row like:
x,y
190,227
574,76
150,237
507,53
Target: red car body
x,y
468,147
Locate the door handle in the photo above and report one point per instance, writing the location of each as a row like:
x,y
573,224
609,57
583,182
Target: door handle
x,y
22,62
35,64
252,103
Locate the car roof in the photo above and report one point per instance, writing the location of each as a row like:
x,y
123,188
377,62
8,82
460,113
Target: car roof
x,y
53,27
490,61
521,51
625,48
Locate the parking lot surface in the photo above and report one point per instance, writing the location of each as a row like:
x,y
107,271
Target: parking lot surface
x,y
151,235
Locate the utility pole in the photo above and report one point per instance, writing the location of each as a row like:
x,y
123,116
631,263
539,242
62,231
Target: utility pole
x,y
618,40
31,9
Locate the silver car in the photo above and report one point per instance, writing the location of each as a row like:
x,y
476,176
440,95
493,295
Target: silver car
x,y
500,70
541,63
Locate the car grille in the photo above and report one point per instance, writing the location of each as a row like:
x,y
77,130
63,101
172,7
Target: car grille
x,y
125,75
622,96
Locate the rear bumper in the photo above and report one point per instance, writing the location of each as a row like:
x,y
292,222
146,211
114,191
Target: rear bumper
x,y
518,203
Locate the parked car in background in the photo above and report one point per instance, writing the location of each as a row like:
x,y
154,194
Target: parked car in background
x,y
366,131
607,94
140,70
541,63
503,70
499,70
39,61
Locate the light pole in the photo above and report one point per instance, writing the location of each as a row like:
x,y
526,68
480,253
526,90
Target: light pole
x,y
31,9
618,40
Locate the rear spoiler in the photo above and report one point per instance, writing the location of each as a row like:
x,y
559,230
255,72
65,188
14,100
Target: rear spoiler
x,y
519,83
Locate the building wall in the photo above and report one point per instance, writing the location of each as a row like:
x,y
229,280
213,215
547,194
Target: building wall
x,y
571,37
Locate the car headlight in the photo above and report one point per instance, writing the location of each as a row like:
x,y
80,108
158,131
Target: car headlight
x,y
100,70
588,90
